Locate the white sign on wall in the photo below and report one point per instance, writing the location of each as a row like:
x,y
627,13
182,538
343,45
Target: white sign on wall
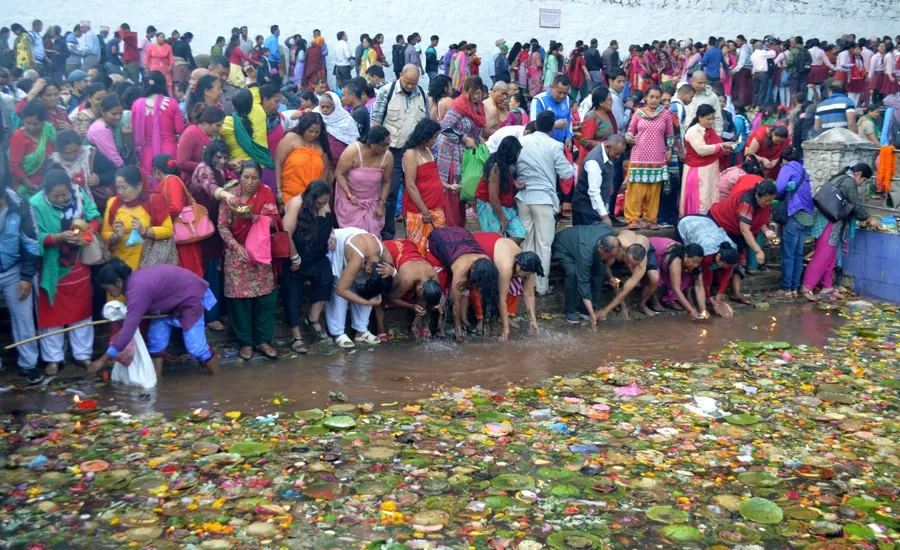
x,y
549,19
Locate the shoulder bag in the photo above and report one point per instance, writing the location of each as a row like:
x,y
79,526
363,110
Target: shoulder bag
x,y
831,202
192,224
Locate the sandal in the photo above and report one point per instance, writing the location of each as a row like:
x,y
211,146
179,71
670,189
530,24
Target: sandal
x,y
344,341
808,294
367,338
267,350
216,326
320,332
245,353
383,336
741,300
301,349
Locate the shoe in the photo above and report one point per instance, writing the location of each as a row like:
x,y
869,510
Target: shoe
x,y
34,377
344,341
367,338
664,225
572,318
52,369
617,223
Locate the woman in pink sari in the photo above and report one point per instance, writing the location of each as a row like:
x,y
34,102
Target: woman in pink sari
x,y
731,61
535,71
159,57
156,120
640,70
692,60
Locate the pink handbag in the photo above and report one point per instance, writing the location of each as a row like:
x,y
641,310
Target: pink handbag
x,y
259,241
192,224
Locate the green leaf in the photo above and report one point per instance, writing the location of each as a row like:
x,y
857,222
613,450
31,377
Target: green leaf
x,y
681,533
759,479
857,531
761,510
311,414
667,514
249,449
565,490
573,540
512,482
742,419
339,422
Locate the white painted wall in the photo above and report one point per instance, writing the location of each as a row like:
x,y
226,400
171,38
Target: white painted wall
x,y
628,21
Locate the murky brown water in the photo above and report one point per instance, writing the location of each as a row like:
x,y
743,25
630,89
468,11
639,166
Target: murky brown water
x,y
410,371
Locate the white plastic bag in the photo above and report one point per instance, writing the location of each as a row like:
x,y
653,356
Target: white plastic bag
x,y
141,372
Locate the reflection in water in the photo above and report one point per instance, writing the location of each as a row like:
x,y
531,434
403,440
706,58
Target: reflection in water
x,y
407,372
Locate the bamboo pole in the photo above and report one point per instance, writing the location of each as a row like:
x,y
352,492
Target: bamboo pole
x,y
73,327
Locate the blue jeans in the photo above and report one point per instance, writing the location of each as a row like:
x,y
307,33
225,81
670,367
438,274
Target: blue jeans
x,y
21,313
793,239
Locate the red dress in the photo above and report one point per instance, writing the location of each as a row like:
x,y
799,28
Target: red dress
x,y
74,293
770,152
190,256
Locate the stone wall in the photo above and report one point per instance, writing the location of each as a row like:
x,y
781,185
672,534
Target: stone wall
x,y
629,21
825,155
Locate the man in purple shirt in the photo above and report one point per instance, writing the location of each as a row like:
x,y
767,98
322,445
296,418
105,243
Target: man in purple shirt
x,y
159,290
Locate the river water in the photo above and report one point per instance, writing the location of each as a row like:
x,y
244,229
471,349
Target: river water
x,y
408,371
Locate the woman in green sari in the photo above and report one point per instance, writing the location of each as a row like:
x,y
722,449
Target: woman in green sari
x,y
67,220
29,147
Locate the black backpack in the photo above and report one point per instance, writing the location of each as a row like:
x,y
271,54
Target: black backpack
x,y
803,62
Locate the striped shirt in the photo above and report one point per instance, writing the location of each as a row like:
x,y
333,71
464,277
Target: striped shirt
x,y
832,112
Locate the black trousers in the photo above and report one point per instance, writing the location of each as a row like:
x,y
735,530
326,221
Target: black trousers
x,y
390,205
668,200
586,218
618,179
760,86
342,74
573,299
797,83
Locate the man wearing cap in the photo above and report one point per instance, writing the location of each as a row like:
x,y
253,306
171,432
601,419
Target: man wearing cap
x,y
79,80
90,46
102,37
492,61
501,66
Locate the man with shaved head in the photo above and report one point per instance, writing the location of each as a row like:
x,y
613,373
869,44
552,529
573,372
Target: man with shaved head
x,y
405,100
703,93
496,109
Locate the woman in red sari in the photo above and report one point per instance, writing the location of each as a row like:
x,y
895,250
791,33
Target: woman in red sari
x,y
315,64
165,170
766,144
460,130
578,74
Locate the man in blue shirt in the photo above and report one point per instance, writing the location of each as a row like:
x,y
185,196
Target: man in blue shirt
x,y
838,111
713,59
38,49
274,55
556,99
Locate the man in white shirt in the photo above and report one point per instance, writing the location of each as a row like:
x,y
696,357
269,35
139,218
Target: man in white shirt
x,y
246,44
343,60
145,41
518,132
541,162
759,61
595,183
492,69
742,87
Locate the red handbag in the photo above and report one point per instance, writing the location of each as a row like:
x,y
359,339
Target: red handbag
x,y
281,242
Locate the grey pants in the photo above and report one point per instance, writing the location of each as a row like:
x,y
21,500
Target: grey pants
x,y
21,314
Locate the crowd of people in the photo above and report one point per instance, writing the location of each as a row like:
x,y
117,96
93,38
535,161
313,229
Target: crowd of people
x,y
210,194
